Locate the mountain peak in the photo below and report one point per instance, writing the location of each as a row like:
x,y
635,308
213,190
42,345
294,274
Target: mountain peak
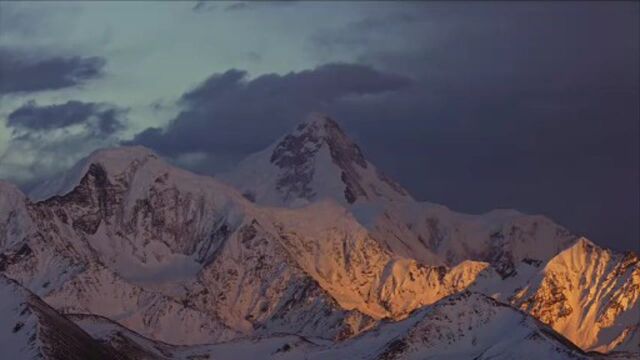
x,y
121,154
319,124
583,245
320,129
316,160
113,160
116,160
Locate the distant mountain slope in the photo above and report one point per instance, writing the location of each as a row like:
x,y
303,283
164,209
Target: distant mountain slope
x,y
463,326
502,238
31,329
138,347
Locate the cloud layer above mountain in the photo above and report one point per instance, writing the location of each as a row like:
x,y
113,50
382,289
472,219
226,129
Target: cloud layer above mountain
x,y
102,118
24,72
477,106
228,114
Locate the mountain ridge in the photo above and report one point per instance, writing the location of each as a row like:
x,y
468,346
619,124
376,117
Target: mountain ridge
x,y
189,259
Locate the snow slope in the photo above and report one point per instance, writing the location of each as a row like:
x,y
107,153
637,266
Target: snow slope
x,y
330,245
14,219
589,294
503,238
138,347
30,329
463,326
115,159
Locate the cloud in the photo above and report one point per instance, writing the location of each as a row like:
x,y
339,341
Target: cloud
x,y
509,105
25,72
515,105
531,105
50,138
230,114
102,119
33,156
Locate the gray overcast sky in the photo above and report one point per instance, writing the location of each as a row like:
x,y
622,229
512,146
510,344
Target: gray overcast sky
x,y
476,105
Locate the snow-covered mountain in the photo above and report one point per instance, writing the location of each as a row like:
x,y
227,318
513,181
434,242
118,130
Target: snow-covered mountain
x,y
313,244
315,161
517,249
463,326
31,329
433,233
587,293
185,259
279,346
172,255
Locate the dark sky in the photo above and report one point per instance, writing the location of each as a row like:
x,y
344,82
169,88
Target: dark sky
x,y
475,105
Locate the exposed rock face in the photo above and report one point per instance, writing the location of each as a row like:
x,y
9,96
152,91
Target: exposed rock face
x,y
297,153
316,161
331,246
293,155
590,295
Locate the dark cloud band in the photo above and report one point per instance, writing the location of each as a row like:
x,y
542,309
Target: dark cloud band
x,y
102,119
21,72
229,114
